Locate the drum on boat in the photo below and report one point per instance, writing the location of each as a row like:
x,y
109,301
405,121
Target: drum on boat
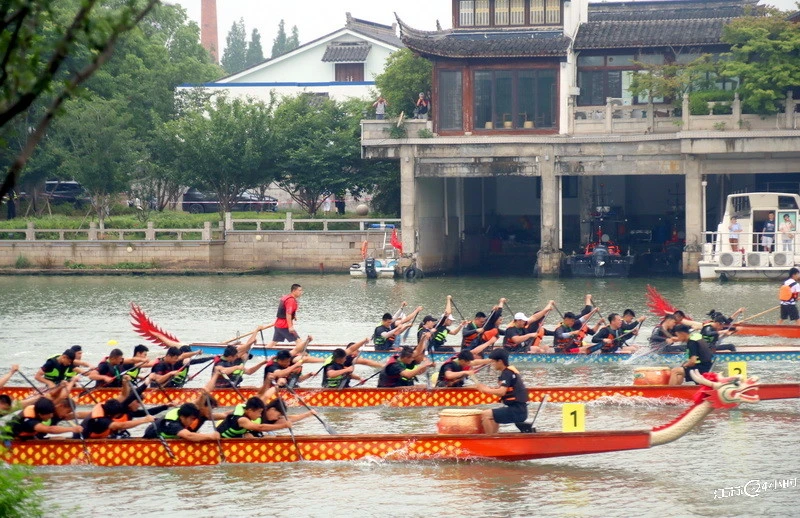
x,y
651,376
460,421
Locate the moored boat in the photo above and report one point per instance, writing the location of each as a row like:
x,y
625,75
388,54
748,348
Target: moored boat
x,y
722,393
415,396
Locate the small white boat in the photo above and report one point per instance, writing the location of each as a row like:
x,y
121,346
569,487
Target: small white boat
x,y
752,258
385,267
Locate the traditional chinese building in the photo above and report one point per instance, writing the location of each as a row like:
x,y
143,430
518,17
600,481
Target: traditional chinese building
x,y
536,129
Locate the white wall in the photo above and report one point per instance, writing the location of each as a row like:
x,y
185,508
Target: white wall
x,y
336,91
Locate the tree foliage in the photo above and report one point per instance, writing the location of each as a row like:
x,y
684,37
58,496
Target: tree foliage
x,y
255,54
223,146
281,44
318,148
49,48
405,76
765,56
234,57
672,80
18,488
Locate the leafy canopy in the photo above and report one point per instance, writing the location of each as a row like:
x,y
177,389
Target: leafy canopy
x,y
405,76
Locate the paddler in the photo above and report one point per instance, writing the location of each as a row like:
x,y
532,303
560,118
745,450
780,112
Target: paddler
x,y
111,418
611,338
457,369
287,313
35,422
54,370
630,322
402,368
337,371
246,419
525,333
286,367
274,414
440,331
700,355
107,373
230,370
682,319
6,403
513,395
568,336
487,328
716,329
663,339
180,423
385,334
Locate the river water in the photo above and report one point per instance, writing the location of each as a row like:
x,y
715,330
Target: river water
x,y
41,316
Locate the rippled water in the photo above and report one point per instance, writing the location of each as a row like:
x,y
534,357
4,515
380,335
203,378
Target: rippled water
x,y
40,316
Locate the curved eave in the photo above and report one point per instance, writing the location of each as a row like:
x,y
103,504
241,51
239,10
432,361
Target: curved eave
x,y
650,33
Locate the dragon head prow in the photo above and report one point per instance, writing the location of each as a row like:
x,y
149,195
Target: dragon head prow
x,y
725,392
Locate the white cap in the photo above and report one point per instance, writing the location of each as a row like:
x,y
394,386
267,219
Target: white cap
x,y
450,317
520,316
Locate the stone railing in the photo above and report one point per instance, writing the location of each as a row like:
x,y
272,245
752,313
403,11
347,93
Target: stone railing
x,y
94,233
377,130
301,225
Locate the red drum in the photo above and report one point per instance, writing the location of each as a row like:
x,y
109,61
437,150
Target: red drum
x,y
460,421
651,376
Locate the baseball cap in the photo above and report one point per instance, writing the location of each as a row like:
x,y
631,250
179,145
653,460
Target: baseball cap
x,y
428,318
520,316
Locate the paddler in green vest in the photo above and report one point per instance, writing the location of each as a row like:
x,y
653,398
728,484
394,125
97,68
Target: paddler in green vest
x,y
337,371
246,418
180,423
54,370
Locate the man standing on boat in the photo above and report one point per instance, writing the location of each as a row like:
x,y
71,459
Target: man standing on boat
x,y
287,314
768,233
789,293
700,355
513,395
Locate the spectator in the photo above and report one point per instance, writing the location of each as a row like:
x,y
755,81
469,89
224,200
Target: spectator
x,y
787,233
380,107
422,107
734,229
340,203
768,233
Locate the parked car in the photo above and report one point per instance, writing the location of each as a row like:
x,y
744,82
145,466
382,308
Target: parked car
x,y
62,191
196,201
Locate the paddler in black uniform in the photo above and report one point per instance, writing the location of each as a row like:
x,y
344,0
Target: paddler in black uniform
x,y
180,423
108,372
402,368
611,338
246,419
286,367
486,331
513,395
230,370
716,329
385,334
457,369
54,370
36,421
700,355
525,334
568,336
337,371
663,339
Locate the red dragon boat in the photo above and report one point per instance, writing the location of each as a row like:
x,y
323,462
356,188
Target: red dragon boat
x,y
661,306
412,396
714,393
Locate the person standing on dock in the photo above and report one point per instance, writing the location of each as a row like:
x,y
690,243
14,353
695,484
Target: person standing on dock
x,y
789,293
287,314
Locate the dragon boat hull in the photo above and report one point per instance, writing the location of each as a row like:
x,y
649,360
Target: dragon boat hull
x,y
144,452
783,331
415,396
743,354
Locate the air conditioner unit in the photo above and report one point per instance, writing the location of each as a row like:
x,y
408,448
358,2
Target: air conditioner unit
x,y
758,259
730,259
783,259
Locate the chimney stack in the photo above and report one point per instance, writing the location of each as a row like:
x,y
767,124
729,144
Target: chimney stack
x,y
208,28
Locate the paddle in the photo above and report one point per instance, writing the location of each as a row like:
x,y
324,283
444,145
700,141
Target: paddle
x,y
210,404
405,335
83,439
233,386
282,406
212,361
158,435
541,404
367,379
457,310
32,384
88,391
328,428
770,310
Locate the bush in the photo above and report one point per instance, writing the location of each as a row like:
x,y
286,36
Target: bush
x,y
22,262
18,489
698,102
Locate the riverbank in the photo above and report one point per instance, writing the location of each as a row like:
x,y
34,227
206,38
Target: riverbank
x,y
121,272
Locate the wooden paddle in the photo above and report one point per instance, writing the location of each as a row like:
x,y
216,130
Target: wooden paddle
x,y
32,384
328,428
233,386
158,434
770,310
282,406
83,439
210,403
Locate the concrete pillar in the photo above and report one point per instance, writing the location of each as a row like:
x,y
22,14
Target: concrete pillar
x,y
736,112
586,203
150,233
228,221
685,112
408,197
694,217
288,224
788,109
548,262
206,231
651,115
30,233
92,231
609,115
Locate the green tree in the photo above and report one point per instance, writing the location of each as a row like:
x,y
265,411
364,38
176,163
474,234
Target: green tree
x,y
318,149
234,57
224,146
18,488
281,44
40,57
97,146
672,80
405,76
255,54
765,56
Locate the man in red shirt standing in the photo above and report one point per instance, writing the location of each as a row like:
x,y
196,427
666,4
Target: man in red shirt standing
x,y
287,313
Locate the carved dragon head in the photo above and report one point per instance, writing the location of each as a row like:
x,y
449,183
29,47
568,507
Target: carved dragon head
x,y
725,392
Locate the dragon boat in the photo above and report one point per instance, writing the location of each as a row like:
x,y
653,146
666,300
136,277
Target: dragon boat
x,y
149,330
782,331
714,393
412,396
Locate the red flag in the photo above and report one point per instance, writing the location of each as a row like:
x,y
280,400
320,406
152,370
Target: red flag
x,y
396,242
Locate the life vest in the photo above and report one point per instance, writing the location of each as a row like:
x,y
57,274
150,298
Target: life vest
x,y
182,377
785,293
133,372
566,344
230,429
442,380
539,335
98,412
282,307
172,415
334,382
59,372
509,395
364,246
394,380
613,335
29,412
439,337
377,339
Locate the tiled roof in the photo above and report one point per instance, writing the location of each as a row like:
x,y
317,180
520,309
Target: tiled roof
x,y
674,10
346,52
514,43
378,31
649,33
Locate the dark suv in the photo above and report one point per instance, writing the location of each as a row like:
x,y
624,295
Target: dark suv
x,y
64,191
198,202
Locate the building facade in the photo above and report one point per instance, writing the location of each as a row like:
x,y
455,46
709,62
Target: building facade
x,y
539,140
